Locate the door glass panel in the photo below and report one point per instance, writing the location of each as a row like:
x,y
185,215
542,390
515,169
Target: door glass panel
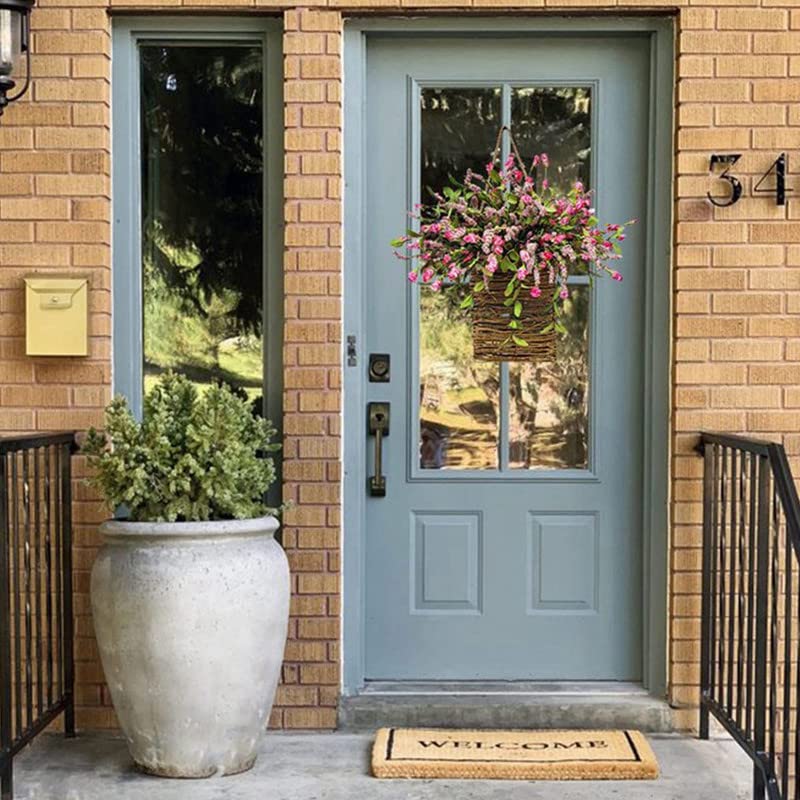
x,y
549,402
549,423
202,239
459,403
556,121
459,406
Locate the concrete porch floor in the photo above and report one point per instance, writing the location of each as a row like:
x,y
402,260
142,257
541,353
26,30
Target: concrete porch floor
x,y
335,766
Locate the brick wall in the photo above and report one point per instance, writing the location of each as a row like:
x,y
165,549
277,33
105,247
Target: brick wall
x,y
736,276
312,399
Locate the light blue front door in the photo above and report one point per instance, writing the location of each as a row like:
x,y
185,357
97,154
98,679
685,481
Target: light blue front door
x,y
508,544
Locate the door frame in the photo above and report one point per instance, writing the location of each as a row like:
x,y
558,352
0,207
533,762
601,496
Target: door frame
x,y
658,314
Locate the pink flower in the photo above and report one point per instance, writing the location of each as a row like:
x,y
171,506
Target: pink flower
x,y
435,227
517,174
509,161
491,264
578,186
489,167
545,160
525,256
427,274
412,276
536,161
454,273
527,199
547,255
545,183
522,273
472,238
436,285
564,293
536,291
616,276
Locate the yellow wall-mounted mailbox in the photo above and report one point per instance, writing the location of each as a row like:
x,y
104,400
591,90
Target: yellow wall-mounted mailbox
x,y
56,316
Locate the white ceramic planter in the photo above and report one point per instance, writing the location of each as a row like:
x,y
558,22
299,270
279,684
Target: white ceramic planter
x,y
191,622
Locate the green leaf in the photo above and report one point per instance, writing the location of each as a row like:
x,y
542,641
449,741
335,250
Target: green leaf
x,y
508,302
519,342
509,288
399,242
467,302
518,308
513,324
478,287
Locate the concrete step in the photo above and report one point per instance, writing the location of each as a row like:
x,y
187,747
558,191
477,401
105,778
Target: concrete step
x,y
504,705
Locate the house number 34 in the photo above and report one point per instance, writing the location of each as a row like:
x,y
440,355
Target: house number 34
x,y
720,166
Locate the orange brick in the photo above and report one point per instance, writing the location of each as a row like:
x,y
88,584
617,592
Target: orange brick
x,y
774,91
752,19
759,66
34,208
776,43
745,397
714,42
748,350
749,303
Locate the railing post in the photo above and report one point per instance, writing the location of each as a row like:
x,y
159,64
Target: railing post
x,y
66,562
762,593
6,768
705,618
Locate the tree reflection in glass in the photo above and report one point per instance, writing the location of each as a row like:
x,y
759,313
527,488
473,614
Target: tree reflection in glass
x,y
459,397
556,121
202,232
549,423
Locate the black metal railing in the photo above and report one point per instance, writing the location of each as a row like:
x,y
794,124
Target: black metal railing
x,y
36,627
750,628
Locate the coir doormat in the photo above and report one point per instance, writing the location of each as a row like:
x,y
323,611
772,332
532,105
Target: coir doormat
x,y
516,755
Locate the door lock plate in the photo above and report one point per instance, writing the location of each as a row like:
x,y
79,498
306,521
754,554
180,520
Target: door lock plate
x,y
378,419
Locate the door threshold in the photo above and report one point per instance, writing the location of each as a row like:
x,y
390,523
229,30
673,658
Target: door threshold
x,y
521,705
552,688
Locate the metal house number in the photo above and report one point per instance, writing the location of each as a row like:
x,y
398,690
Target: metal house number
x,y
727,161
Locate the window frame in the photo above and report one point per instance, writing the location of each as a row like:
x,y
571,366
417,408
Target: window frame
x,y
128,322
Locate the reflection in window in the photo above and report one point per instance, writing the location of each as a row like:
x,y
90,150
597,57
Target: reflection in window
x,y
202,241
549,422
459,397
556,121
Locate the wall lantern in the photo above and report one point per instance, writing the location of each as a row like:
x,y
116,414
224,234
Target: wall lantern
x,y
14,42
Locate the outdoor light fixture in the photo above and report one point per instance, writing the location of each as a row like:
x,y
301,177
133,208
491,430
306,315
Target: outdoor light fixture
x,y
14,41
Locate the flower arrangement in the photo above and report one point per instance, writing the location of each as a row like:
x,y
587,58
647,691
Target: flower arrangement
x,y
506,226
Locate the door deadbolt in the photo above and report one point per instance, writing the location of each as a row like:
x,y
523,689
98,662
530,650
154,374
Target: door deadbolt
x,y
379,367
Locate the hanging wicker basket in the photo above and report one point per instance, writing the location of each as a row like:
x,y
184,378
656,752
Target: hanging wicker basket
x,y
491,336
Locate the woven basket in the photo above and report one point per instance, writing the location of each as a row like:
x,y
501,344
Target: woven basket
x,y
491,336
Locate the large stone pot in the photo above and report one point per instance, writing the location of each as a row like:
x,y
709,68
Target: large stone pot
x,y
191,622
